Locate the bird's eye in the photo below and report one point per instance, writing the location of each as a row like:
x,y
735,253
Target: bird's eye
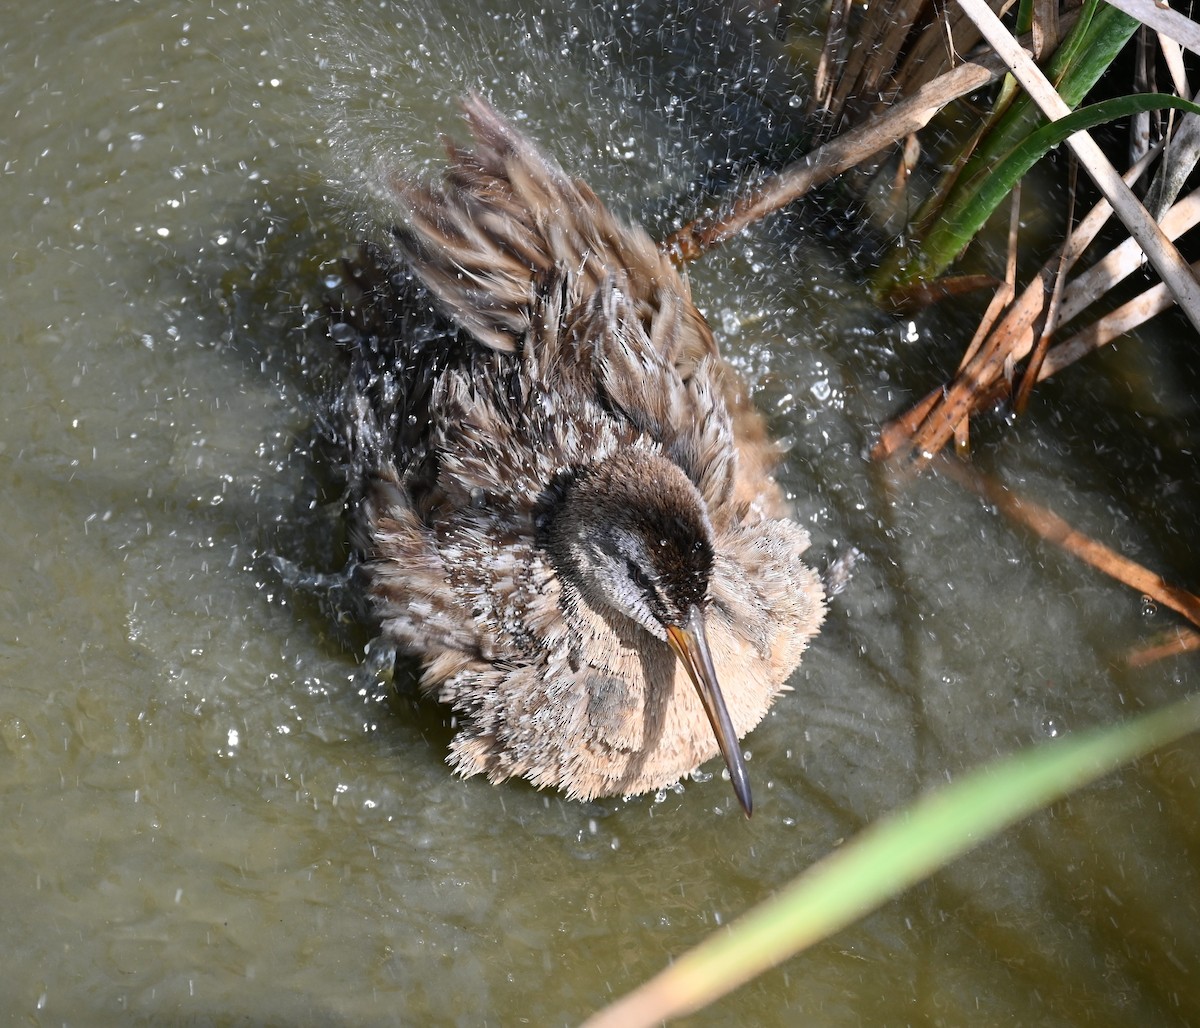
x,y
638,577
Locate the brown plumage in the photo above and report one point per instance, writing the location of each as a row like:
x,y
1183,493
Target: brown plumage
x,y
561,494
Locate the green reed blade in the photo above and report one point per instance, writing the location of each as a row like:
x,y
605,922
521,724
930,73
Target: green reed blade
x,y
1082,57
890,856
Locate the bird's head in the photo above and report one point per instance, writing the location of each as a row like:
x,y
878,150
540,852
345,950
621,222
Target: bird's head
x,y
634,535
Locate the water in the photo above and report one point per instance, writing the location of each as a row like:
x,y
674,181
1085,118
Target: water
x,y
204,817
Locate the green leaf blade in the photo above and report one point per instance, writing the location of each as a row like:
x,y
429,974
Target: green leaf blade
x,y
891,856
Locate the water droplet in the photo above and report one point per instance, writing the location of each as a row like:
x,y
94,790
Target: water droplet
x,y
342,333
1149,607
1052,727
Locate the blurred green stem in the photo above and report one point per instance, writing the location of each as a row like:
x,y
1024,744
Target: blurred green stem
x,y
890,856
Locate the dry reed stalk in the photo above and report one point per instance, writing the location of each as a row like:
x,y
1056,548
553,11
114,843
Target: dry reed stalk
x,y
1037,359
1182,641
1049,526
979,382
849,150
858,82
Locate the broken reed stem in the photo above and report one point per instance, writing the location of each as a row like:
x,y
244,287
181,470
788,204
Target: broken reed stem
x,y
1004,296
903,118
1112,326
1183,640
1049,526
978,383
1025,388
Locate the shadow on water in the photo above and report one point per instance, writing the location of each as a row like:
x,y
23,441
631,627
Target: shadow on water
x,y
274,290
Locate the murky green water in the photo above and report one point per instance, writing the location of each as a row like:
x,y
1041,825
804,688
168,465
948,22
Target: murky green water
x,y
204,822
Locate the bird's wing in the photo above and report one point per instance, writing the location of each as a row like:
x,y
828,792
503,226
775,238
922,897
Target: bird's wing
x,y
486,240
507,228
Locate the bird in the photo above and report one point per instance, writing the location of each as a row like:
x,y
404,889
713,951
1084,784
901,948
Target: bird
x,y
560,496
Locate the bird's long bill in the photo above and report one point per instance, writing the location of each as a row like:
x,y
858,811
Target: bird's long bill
x,y
691,647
